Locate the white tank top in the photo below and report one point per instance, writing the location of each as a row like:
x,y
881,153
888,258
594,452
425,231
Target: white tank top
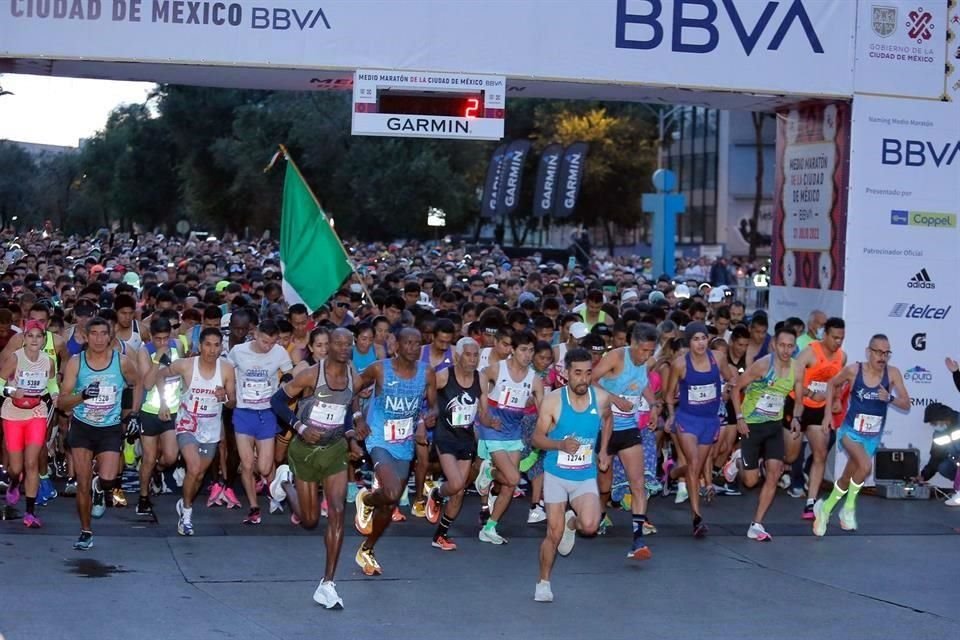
x,y
199,409
134,342
508,394
484,358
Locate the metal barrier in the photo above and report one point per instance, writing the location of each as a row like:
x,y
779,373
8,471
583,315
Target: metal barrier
x,y
753,297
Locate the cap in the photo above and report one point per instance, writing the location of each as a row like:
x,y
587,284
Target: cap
x,y
656,296
629,295
527,296
97,268
579,330
694,328
682,291
716,295
223,284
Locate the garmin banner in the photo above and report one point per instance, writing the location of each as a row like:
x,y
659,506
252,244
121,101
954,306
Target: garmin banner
x,y
548,173
491,186
901,258
511,175
571,177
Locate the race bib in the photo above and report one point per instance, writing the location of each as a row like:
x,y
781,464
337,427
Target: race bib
x,y
32,382
398,430
770,404
463,415
635,406
203,406
328,416
702,393
255,390
817,387
866,423
582,459
644,405
514,396
106,399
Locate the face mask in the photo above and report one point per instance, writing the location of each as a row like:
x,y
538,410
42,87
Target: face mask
x,y
568,298
820,333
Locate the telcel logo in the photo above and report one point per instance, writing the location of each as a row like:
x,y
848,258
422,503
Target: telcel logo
x,y
917,311
927,219
919,375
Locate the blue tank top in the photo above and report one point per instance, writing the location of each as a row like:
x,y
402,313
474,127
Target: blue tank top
x,y
74,347
764,349
630,385
446,363
585,427
867,413
104,410
700,395
363,360
395,410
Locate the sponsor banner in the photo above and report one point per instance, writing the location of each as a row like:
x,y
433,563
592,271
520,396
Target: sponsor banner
x,y
901,249
548,180
571,177
900,48
810,209
951,87
512,176
491,186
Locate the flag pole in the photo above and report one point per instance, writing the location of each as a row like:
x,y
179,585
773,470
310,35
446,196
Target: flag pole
x,y
346,254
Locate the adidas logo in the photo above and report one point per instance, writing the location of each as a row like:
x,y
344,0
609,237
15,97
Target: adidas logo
x,y
921,281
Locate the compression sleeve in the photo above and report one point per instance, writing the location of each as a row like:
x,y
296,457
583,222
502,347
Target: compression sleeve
x,y
280,403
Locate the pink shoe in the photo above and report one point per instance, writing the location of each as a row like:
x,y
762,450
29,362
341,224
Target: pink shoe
x,y
13,496
31,521
323,508
216,495
230,498
294,520
261,487
667,466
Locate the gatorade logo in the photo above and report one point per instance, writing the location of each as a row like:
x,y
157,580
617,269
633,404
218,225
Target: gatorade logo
x,y
919,341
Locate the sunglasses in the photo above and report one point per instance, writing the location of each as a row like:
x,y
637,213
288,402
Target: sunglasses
x,y
343,305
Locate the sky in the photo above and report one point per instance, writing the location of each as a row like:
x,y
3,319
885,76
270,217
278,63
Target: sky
x,y
61,111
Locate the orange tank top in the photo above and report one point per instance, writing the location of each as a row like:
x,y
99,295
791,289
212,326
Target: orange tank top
x,y
823,370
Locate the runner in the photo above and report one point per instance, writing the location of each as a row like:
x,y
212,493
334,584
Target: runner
x,y
318,454
820,362
570,421
458,399
395,420
128,329
158,414
510,389
208,383
765,386
26,375
623,373
92,383
874,385
258,364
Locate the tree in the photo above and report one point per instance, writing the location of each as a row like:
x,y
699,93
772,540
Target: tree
x,y
17,170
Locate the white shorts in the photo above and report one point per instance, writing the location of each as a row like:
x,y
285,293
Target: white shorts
x,y
559,491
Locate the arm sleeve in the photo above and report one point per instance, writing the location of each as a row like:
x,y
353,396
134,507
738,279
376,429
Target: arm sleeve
x,y
280,403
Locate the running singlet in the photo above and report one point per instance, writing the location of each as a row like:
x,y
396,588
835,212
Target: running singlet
x,y
763,399
134,341
74,347
629,385
445,363
509,401
363,360
394,411
103,410
31,378
458,408
700,394
867,413
327,408
200,410
816,377
560,366
257,378
585,427
171,385
484,358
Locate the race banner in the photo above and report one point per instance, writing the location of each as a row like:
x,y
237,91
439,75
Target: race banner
x,y
547,180
571,177
810,210
491,186
511,172
951,87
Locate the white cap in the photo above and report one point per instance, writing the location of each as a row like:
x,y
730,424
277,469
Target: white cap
x,y
579,330
628,295
682,291
717,294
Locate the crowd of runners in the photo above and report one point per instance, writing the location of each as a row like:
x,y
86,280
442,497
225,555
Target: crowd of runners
x,y
590,386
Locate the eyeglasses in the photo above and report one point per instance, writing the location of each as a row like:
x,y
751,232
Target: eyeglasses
x,y
883,354
343,305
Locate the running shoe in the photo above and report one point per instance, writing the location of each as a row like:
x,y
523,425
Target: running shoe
x,y
368,562
216,495
758,533
536,515
848,519
99,500
491,500
700,528
820,519
294,520
31,521
119,499
47,491
667,466
253,516
434,506
84,542
230,498
4,478
639,550
708,493
184,521
796,492
326,595
653,486
488,534
726,489
261,486
682,495
275,507
419,509
605,525
428,487
649,528
953,501
443,543
543,592
144,507
282,475
404,499
732,466
784,482
13,496
484,478
352,489
364,518
324,507
808,511
70,489
397,515
569,537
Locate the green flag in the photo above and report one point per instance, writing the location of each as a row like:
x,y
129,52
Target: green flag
x,y
313,260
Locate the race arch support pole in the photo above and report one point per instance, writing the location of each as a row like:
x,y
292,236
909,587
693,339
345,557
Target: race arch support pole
x,y
664,206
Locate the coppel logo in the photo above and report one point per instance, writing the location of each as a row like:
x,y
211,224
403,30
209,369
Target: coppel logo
x,y
928,219
918,375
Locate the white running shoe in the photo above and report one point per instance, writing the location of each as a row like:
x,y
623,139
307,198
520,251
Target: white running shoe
x,y
282,475
954,500
682,495
569,535
484,478
784,481
326,595
820,519
536,515
491,500
848,519
491,536
732,466
543,592
757,532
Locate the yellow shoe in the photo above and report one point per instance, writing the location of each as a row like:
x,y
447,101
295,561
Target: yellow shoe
x,y
428,486
419,509
364,518
368,562
119,500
